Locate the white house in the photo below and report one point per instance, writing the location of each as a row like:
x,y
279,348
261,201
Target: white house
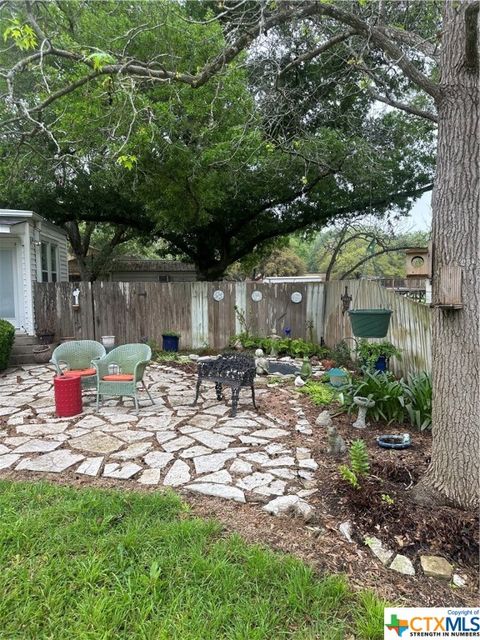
x,y
31,250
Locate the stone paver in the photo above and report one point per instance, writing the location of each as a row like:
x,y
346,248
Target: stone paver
x,y
178,443
38,446
178,474
199,449
158,459
121,472
218,490
8,460
90,466
402,564
54,462
213,462
436,567
97,442
150,476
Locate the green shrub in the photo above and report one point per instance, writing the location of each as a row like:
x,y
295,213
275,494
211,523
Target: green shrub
x,y
417,400
341,355
359,464
293,347
319,393
381,387
395,400
7,336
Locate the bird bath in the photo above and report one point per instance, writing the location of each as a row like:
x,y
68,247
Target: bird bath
x,y
363,405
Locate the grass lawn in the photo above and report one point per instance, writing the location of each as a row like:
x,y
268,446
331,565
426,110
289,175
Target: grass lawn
x,y
95,564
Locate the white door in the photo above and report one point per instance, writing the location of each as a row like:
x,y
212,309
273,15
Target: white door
x,y
10,308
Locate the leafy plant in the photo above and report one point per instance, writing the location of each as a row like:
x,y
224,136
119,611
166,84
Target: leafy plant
x,y
171,334
341,354
381,387
370,352
417,400
359,464
293,347
7,336
319,393
22,34
241,316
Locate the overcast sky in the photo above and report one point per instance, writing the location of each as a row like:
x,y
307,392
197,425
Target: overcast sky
x,y
421,213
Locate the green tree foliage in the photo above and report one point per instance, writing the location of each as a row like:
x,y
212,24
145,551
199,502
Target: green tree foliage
x,y
360,242
217,172
281,261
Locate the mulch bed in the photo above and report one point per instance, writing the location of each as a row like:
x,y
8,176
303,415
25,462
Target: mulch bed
x,y
400,523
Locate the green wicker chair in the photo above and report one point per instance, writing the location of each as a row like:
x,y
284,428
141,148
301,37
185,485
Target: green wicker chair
x,y
132,360
77,355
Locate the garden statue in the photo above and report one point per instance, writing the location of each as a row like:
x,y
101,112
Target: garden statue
x,y
324,419
298,382
306,370
335,443
262,365
363,405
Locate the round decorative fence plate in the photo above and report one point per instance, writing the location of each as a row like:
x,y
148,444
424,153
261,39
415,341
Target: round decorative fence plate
x,y
257,296
218,295
296,297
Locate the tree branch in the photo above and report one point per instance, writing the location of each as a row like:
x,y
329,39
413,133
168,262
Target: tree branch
x,y
374,255
381,40
309,55
414,111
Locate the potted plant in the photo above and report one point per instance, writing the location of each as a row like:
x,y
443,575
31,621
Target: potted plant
x,y
375,355
45,335
42,353
170,340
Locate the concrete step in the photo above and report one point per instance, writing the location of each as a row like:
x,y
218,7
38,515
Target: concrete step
x,y
21,359
24,339
22,350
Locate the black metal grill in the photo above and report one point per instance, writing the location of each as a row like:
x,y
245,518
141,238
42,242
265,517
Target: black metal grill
x,y
231,369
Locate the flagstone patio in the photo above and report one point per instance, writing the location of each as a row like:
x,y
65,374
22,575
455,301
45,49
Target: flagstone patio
x,y
198,449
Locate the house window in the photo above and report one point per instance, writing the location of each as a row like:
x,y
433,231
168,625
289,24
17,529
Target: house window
x,y
53,262
49,262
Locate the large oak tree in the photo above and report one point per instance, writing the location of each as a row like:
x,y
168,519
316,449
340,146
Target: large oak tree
x,y
216,172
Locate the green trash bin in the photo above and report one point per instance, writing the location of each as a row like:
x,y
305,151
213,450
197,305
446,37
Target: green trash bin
x,y
370,323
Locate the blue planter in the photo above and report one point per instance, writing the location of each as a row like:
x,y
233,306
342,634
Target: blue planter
x,y
381,364
170,343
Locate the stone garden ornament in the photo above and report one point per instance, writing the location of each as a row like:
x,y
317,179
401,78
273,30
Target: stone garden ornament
x,y
262,365
363,405
324,419
335,443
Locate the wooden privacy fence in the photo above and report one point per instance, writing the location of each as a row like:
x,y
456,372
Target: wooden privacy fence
x,y
409,325
132,311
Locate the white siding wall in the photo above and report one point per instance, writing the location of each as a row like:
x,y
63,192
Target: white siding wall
x,y
53,235
49,233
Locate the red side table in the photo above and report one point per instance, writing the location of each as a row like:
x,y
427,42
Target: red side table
x,y
68,396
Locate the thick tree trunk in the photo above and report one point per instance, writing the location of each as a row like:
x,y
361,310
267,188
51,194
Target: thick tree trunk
x,y
454,473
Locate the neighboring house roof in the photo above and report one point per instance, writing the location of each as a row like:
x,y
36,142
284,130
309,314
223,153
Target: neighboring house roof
x,y
126,264
137,264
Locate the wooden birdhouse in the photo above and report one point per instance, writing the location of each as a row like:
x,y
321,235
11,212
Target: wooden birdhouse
x,y
448,290
418,263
